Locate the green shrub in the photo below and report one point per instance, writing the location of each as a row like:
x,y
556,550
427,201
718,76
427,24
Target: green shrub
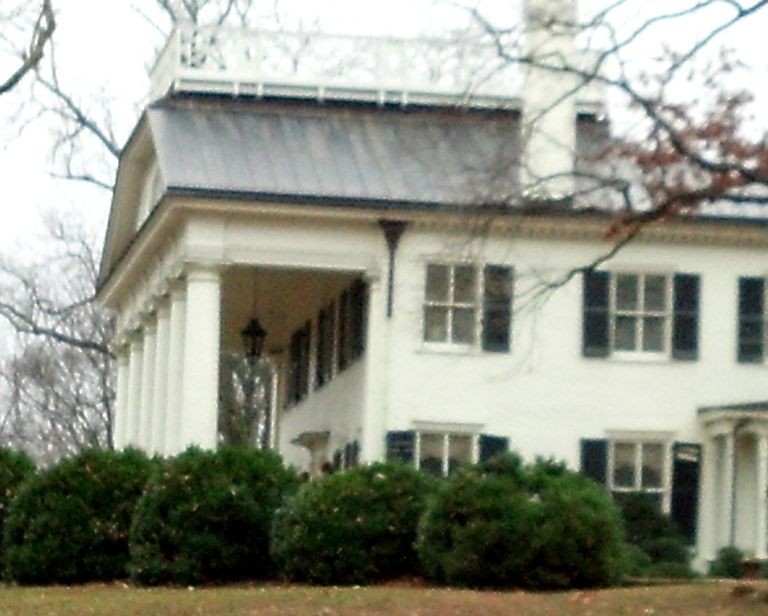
x,y
70,523
477,531
354,527
15,467
656,535
540,526
205,517
578,533
728,564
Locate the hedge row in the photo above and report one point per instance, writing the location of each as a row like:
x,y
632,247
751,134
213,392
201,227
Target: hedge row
x,y
238,514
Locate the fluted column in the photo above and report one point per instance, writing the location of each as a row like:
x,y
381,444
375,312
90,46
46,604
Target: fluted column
x,y
373,419
133,415
177,317
147,383
200,386
159,404
120,419
761,515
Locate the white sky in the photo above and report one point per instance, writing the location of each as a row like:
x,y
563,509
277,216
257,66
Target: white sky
x,y
104,45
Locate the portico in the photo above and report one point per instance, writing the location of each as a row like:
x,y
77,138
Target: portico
x,y
181,311
734,508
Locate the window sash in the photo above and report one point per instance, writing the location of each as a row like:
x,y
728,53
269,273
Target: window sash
x,y
453,448
634,327
639,454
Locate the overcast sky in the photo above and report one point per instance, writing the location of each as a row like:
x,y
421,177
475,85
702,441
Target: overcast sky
x,y
105,45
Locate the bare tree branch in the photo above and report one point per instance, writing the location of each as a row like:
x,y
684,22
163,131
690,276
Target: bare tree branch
x,y
42,32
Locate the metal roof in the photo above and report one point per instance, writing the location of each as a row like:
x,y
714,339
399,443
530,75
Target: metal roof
x,y
438,156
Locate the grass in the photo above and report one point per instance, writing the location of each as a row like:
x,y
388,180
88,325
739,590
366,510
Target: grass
x,y
700,599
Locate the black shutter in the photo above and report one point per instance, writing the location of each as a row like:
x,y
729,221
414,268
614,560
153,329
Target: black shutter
x,y
343,359
595,326
358,312
337,461
751,348
401,445
490,446
594,459
321,371
497,308
685,324
685,487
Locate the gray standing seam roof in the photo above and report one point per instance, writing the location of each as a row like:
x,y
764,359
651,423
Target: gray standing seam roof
x,y
336,152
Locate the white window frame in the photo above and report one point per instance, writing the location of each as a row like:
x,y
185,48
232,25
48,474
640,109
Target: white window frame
x,y
638,440
639,313
447,431
451,305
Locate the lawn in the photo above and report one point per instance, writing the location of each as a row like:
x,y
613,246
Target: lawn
x,y
710,598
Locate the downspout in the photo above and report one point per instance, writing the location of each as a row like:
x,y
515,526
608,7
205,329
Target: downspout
x,y
393,231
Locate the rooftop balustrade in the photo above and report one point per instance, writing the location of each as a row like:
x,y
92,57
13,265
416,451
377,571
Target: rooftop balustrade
x,y
384,70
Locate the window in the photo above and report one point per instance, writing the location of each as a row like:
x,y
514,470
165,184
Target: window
x,y
752,331
439,452
640,309
467,306
641,315
640,467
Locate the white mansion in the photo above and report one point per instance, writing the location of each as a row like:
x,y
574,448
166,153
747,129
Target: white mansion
x,y
364,213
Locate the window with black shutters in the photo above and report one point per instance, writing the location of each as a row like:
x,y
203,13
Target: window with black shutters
x,y
640,314
468,306
440,453
667,473
751,325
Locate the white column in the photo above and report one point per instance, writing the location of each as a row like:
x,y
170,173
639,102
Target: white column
x,y
159,407
134,390
200,386
178,314
761,515
373,419
148,384
708,502
727,468
120,418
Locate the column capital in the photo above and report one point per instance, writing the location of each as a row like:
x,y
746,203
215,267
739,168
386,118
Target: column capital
x,y
200,272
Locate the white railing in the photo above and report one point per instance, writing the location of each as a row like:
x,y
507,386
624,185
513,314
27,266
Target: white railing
x,y
385,70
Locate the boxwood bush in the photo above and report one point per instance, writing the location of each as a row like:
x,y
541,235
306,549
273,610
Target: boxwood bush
x,y
70,523
506,525
658,548
15,467
205,517
354,527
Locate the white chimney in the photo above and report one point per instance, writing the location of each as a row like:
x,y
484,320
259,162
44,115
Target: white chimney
x,y
549,101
